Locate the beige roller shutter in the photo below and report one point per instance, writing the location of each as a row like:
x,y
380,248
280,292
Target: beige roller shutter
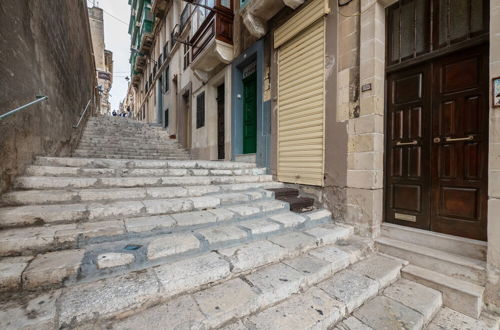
x,y
301,106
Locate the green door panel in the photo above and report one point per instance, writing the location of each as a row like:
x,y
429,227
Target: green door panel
x,y
250,114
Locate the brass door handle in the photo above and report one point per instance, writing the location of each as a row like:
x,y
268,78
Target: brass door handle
x,y
412,143
468,138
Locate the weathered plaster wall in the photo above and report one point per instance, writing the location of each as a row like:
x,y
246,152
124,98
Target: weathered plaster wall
x,y
45,48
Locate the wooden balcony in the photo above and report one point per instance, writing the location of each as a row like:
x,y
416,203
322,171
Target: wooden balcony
x,y
160,7
212,43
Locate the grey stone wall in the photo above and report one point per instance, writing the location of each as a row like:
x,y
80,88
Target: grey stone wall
x,y
45,48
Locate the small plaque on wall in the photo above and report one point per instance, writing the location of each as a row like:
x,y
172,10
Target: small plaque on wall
x,y
495,86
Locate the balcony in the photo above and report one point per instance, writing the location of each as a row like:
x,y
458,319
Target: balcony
x,y
160,7
257,13
212,43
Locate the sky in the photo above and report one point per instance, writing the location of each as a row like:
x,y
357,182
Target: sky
x,y
117,40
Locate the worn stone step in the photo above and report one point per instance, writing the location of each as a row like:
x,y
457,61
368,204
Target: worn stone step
x,y
38,170
92,212
288,295
130,163
131,151
130,156
458,245
462,296
32,240
450,264
213,278
128,146
48,182
97,261
450,319
37,197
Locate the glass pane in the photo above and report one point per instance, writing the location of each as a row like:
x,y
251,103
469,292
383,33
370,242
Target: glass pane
x,y
395,34
443,21
459,18
477,15
407,29
225,3
210,3
421,21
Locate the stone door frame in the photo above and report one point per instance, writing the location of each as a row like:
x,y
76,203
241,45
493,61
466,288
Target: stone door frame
x,y
372,109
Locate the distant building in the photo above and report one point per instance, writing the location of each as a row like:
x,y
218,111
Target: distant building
x,y
103,57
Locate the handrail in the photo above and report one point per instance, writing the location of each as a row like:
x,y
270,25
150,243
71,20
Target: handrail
x,y
83,113
39,98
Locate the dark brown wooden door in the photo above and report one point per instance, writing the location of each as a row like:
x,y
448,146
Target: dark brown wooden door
x,y
221,130
460,144
437,147
407,147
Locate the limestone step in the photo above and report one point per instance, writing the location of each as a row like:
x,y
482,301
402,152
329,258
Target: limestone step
x,y
94,212
450,319
54,182
226,284
132,163
128,148
300,293
131,156
462,296
37,197
447,263
104,260
37,170
37,239
448,243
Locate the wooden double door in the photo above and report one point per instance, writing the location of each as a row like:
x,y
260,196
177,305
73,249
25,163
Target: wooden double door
x,y
437,144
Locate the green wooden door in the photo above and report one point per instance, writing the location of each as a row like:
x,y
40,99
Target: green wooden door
x,y
250,114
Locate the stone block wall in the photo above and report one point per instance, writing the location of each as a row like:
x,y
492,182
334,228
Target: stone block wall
x,y
45,48
493,287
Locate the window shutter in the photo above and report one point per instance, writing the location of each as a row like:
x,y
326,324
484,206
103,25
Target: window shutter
x,y
200,110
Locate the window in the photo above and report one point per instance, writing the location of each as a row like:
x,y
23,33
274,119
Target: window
x,y
165,123
186,56
165,51
202,13
166,78
200,110
418,27
185,16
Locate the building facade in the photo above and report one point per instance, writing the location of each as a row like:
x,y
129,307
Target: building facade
x,y
383,110
103,58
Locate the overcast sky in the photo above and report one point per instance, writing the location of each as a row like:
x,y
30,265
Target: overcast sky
x,y
117,40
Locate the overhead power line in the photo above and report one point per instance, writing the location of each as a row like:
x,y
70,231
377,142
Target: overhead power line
x,y
109,14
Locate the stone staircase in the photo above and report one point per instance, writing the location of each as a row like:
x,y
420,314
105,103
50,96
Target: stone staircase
x,y
112,243
119,137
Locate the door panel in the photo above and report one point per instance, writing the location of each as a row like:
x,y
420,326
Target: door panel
x,y
460,133
250,114
407,143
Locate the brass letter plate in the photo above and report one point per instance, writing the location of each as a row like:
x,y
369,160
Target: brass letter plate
x,y
405,217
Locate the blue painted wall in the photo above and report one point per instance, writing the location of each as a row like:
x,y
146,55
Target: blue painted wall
x,y
253,54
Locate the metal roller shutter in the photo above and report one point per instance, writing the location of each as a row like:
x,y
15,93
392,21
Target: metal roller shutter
x,y
301,100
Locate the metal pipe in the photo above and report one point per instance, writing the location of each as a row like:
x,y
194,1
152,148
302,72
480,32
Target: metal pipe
x,y
40,98
83,113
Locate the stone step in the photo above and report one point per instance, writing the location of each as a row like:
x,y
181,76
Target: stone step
x,y
462,296
131,163
450,264
300,293
130,156
54,182
226,284
37,170
97,261
449,319
128,149
93,212
37,239
37,197
453,244
140,139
